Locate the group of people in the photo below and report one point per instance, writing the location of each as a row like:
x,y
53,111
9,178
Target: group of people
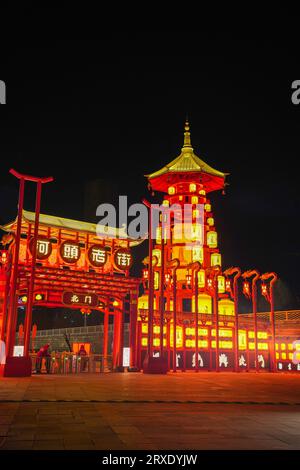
x,y
45,353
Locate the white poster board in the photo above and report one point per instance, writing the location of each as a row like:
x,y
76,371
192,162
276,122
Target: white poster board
x,y
126,357
18,351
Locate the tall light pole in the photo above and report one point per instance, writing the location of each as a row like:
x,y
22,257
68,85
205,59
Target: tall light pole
x,y
247,275
174,265
236,273
270,297
195,267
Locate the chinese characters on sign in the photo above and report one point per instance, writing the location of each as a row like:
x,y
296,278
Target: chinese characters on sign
x,y
43,248
70,252
97,256
123,259
80,299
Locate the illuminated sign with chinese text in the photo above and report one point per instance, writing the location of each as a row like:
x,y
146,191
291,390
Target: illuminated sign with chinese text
x,y
81,299
43,248
97,256
70,251
123,259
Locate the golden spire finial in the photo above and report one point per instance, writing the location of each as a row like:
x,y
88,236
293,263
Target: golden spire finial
x,y
187,134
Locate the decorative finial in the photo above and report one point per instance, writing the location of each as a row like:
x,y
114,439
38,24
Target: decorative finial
x,y
187,135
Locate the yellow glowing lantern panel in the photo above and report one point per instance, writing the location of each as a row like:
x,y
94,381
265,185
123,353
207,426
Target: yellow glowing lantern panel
x,y
242,340
204,303
156,280
179,336
157,253
212,239
210,221
193,187
207,207
198,254
221,284
171,190
215,259
201,278
226,307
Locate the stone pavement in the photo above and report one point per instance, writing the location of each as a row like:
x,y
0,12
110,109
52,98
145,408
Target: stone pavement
x,y
136,411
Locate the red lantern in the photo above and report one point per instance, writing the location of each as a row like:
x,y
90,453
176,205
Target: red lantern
x,y
145,274
264,291
246,289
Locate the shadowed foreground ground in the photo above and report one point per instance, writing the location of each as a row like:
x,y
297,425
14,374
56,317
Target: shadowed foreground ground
x,y
136,411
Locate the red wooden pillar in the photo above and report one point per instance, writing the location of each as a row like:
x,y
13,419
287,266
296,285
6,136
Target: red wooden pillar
x,y
121,335
28,317
133,328
12,315
116,336
105,335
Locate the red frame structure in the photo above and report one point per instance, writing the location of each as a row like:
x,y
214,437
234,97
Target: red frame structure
x,y
25,275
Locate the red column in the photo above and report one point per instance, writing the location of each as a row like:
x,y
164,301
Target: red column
x,y
162,294
216,311
28,318
12,316
133,328
121,335
116,344
174,319
105,335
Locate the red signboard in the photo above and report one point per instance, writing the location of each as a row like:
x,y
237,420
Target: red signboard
x,y
43,248
82,300
123,259
97,256
70,251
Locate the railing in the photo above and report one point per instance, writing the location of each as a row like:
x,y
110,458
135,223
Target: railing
x,y
69,363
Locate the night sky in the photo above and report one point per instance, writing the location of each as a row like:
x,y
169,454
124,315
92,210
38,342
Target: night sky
x,y
86,110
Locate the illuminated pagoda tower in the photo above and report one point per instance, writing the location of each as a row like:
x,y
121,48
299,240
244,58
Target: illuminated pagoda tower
x,y
187,270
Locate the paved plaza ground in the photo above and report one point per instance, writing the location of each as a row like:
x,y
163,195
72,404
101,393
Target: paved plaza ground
x,y
137,411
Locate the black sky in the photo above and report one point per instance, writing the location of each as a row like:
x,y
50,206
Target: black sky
x,y
81,110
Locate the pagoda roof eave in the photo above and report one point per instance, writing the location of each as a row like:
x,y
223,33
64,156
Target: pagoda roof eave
x,y
187,162
74,225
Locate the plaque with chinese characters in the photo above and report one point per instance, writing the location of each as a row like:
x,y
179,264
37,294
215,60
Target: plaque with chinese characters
x,y
43,248
70,251
123,259
97,256
80,299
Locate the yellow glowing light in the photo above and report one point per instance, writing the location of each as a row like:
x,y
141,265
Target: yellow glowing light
x,y
171,190
226,307
156,280
291,355
166,203
276,346
202,331
207,207
277,355
195,213
262,335
144,341
262,346
144,327
212,239
193,187
197,253
283,355
251,346
204,303
24,299
221,284
283,346
194,199
215,259
290,346
250,334
210,221
156,342
115,303
201,278
38,297
179,336
202,192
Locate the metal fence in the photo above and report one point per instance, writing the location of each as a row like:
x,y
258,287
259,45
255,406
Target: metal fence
x,y
69,363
